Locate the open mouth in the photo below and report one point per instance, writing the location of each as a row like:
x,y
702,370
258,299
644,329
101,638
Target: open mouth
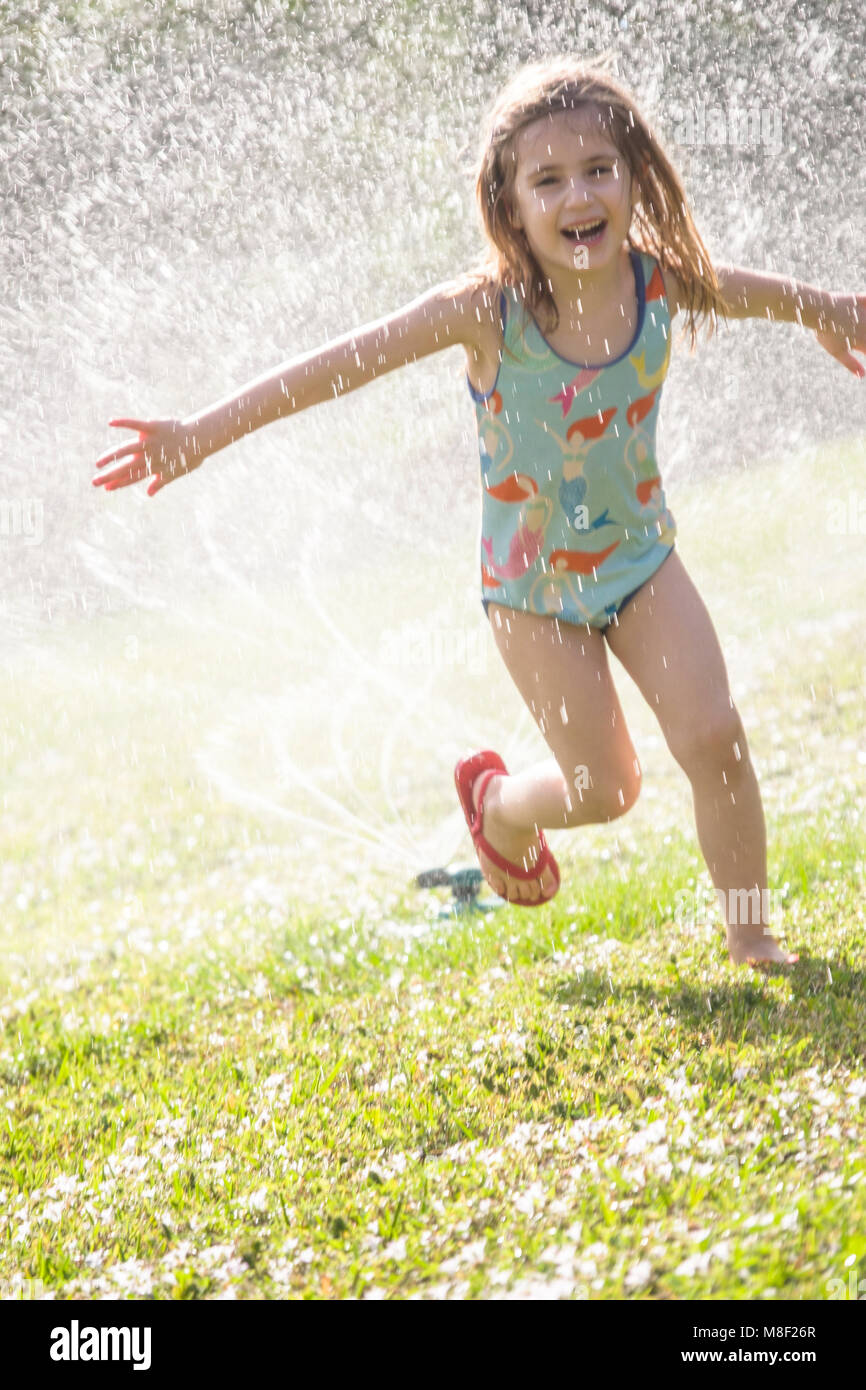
x,y
586,235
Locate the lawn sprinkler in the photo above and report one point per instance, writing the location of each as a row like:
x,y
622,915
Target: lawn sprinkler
x,y
465,885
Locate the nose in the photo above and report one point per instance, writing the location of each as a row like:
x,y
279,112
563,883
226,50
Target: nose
x,y
578,191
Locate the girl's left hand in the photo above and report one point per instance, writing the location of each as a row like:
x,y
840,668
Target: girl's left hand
x,y
849,333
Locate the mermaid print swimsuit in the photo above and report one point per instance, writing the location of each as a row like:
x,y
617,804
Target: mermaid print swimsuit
x,y
573,517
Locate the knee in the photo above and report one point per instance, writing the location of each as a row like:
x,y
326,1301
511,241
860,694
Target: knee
x,y
603,797
715,742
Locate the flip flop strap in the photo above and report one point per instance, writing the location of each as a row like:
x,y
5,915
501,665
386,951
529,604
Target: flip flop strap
x,y
544,860
545,857
483,782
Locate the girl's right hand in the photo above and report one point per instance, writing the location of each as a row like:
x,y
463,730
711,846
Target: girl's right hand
x,y
166,449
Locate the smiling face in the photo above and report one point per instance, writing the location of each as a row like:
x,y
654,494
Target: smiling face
x,y
572,194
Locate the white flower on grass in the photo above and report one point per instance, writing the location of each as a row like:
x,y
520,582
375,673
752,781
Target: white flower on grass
x,y
762,1218
131,1277
280,1272
558,1255
700,1262
52,1211
439,1292
654,1134
395,1083
395,1249
134,1163
527,1202
824,1098
460,1153
258,1200
528,1135
471,1254
678,1086
474,1252
178,1255
210,1257
63,1186
638,1276
694,1264
545,1290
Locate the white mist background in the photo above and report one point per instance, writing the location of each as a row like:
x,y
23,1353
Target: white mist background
x,y
192,196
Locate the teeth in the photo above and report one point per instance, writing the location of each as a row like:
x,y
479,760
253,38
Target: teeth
x,y
590,228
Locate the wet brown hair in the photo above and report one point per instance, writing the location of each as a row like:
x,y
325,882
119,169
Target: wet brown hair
x,y
661,224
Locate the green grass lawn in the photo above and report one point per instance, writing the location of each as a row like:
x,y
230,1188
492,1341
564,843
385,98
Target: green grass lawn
x,y
242,1056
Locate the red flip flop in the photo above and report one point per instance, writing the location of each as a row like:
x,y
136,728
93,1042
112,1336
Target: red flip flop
x,y
486,766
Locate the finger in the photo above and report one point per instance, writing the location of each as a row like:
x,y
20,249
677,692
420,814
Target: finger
x,y
112,455
123,471
115,483
128,473
155,486
140,425
127,480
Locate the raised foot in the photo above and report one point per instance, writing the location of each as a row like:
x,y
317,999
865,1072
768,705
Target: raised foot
x,y
516,845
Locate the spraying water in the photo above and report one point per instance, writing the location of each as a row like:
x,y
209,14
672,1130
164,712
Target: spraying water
x,y
192,196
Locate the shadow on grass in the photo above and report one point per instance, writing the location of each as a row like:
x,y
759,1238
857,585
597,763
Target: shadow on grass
x,y
824,1004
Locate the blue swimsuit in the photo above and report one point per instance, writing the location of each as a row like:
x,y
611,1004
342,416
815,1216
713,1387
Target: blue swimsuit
x,y
573,517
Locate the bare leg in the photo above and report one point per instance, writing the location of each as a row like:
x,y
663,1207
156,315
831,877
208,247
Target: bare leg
x,y
667,643
563,674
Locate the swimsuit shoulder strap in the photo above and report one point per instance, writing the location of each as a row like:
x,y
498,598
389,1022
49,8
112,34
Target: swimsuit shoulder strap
x,y
653,289
516,321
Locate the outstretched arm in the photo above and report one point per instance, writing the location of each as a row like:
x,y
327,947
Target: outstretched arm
x,y
166,449
838,320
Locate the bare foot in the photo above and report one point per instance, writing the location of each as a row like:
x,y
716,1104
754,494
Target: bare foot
x,y
520,846
758,949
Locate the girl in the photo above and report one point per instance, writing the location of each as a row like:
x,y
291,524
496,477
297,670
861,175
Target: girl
x,y
566,330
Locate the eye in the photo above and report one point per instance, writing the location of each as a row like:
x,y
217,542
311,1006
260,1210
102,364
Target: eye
x,y
547,179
